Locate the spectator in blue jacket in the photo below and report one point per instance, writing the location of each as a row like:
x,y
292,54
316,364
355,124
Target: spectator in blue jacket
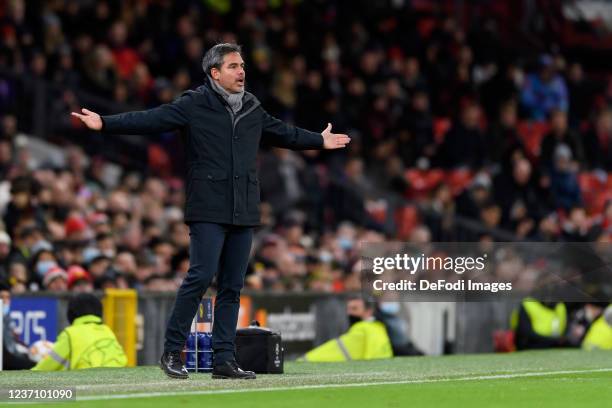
x,y
544,91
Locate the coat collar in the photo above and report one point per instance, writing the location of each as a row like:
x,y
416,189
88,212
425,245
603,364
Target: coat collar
x,y
85,319
217,102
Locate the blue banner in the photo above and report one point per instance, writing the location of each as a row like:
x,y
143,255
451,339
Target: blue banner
x,y
34,318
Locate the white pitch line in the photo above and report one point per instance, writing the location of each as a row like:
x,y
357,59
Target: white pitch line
x,y
323,386
93,387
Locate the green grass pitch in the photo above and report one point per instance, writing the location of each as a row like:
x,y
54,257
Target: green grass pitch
x,y
560,378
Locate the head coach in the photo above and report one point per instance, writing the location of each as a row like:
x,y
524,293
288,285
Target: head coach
x,y
223,126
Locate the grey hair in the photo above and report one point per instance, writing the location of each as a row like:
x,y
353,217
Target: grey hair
x,y
214,56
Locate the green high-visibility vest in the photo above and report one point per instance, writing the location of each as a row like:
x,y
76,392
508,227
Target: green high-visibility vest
x,y
545,321
366,340
93,344
599,336
87,343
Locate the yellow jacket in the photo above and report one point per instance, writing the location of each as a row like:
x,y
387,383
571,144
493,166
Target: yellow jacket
x,y
87,343
366,340
599,336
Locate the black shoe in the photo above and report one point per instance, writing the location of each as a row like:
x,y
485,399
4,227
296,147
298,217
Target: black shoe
x,y
172,365
230,369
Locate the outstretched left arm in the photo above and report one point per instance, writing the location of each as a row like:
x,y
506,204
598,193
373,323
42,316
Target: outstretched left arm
x,y
277,133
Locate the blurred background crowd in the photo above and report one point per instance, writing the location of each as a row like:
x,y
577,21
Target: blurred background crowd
x,y
465,126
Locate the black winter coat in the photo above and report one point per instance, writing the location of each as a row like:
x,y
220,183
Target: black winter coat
x,y
222,181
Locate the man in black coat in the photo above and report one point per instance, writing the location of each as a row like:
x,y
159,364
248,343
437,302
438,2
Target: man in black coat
x,y
223,125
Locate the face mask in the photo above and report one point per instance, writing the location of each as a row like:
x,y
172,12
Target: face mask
x,y
6,309
325,257
44,266
345,243
354,319
392,308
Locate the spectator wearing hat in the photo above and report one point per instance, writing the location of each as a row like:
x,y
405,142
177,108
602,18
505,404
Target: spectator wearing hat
x,y
56,280
564,179
545,90
100,223
96,263
560,133
79,280
43,259
76,228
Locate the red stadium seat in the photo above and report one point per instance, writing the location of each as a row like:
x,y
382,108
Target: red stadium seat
x,y
590,182
596,191
377,209
458,180
407,218
440,127
422,182
532,133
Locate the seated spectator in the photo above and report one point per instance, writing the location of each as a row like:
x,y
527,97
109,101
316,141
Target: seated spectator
x,y
598,143
366,339
472,199
577,226
79,280
564,180
43,259
585,321
464,144
5,251
418,121
544,91
18,277
539,325
503,139
581,93
599,334
55,280
389,314
87,342
520,195
14,352
560,134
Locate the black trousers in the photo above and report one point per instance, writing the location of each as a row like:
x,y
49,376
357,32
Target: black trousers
x,y
214,249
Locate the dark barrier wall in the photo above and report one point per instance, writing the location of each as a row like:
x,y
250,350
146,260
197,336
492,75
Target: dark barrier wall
x,y
304,319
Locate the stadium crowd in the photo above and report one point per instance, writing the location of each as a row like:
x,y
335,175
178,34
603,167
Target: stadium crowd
x,y
448,122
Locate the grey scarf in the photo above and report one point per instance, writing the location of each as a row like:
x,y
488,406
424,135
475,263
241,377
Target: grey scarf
x,y
234,100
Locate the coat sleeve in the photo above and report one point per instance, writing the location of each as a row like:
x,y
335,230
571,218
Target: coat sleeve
x,y
277,133
58,358
169,116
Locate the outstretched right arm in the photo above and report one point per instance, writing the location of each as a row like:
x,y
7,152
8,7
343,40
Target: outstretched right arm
x,y
165,117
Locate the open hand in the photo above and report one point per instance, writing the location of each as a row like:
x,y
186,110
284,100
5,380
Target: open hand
x,y
334,140
90,119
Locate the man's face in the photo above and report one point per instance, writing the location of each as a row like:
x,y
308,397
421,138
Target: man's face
x,y
57,285
356,307
231,75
